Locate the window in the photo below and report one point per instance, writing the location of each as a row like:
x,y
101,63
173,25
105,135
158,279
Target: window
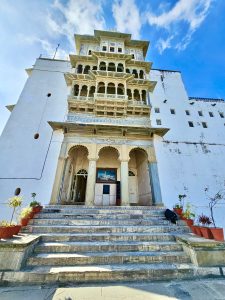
x,y
17,191
221,114
104,48
200,113
172,111
133,56
158,122
187,112
204,125
89,52
119,50
190,124
112,49
157,110
211,114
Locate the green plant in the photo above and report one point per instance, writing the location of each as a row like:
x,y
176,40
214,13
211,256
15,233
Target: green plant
x,y
188,213
213,200
181,201
34,204
14,202
6,223
25,212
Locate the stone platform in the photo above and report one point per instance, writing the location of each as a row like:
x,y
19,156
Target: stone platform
x,y
108,244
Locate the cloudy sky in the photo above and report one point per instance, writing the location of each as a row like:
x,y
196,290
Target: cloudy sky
x,y
185,35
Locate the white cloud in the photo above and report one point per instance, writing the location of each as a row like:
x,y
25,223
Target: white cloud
x,y
127,17
190,13
163,44
77,16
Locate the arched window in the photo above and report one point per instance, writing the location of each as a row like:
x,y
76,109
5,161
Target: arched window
x,y
86,69
137,95
82,172
120,89
135,73
127,70
94,68
79,69
92,91
89,52
76,90
111,67
130,173
102,66
129,94
111,88
83,91
141,74
101,87
120,68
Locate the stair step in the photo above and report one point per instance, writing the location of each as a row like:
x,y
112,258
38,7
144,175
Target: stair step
x,y
100,273
56,237
95,216
107,246
67,259
102,222
104,229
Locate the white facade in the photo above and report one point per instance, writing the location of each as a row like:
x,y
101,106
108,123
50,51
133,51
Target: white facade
x,y
189,158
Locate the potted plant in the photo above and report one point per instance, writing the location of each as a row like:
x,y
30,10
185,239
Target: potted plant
x,y
205,231
178,208
8,229
187,215
25,215
217,232
36,206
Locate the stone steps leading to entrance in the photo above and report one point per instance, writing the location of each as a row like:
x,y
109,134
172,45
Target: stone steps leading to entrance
x,y
79,237
101,258
106,246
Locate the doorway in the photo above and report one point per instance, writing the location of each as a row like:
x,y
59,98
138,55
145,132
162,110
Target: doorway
x,y
78,188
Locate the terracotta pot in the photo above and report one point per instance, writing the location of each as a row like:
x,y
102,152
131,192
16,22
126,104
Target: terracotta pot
x,y
31,215
206,232
193,229
198,230
35,209
24,221
6,232
189,222
217,233
16,229
178,211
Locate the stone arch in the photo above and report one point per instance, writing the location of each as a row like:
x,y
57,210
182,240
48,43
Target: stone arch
x,y
84,91
79,69
143,150
111,67
111,89
141,74
76,90
73,147
101,87
120,89
120,67
102,66
92,91
109,147
86,69
135,73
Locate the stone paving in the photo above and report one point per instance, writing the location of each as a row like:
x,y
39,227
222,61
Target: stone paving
x,y
208,289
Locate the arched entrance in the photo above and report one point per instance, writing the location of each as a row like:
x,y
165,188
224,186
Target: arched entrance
x,y
139,181
107,176
74,180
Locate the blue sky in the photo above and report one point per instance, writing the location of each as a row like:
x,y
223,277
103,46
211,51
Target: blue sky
x,y
185,35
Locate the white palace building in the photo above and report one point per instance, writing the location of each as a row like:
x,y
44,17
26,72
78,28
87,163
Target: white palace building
x,y
105,129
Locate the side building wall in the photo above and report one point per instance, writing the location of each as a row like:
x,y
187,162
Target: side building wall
x,y
189,158
25,162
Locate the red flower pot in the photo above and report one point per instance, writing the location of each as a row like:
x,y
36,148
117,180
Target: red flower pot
x,y
16,229
178,211
6,232
189,222
217,233
31,215
193,229
24,221
198,230
206,232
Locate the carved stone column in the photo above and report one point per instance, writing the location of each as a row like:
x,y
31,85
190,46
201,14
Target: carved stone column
x,y
91,180
124,183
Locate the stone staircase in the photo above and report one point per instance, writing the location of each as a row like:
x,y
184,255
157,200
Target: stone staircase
x,y
104,244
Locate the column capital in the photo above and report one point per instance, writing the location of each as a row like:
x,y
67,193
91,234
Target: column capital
x,y
92,158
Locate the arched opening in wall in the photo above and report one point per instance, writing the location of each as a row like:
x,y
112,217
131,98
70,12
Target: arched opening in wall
x,y
101,88
120,89
129,94
137,95
107,177
144,98
111,67
139,185
92,91
120,68
135,73
76,90
79,69
74,180
86,69
141,74
94,68
89,52
102,66
84,91
111,88
17,191
127,70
